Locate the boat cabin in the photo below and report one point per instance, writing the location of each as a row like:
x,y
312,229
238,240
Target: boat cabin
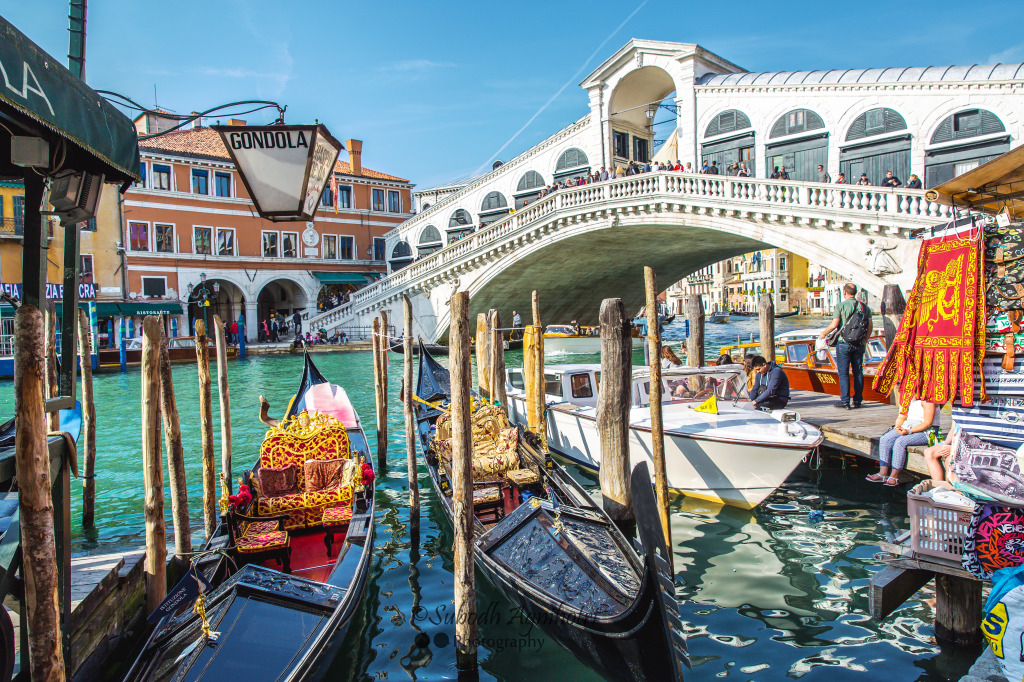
x,y
579,384
570,330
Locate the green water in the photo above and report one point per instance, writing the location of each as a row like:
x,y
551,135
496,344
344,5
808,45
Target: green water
x,y
765,594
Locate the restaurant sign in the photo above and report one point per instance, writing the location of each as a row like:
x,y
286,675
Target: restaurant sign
x,y
54,292
284,167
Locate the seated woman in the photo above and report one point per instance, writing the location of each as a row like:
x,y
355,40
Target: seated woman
x,y
934,455
669,359
912,426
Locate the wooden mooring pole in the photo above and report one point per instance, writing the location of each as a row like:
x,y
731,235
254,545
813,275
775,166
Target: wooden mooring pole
x,y
657,424
766,317
533,369
225,400
483,357
175,456
499,394
695,342
206,431
88,422
380,370
152,466
32,465
613,402
462,484
410,422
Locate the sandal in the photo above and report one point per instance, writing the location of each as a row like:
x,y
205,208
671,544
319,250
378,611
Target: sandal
x,y
892,481
874,478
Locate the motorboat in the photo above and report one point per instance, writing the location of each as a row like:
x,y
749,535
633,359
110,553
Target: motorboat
x,y
544,544
179,349
570,338
718,317
283,576
734,455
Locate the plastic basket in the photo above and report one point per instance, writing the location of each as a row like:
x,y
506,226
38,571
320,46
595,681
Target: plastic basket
x,y
937,529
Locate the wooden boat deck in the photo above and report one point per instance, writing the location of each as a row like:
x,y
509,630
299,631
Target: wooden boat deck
x,y
855,431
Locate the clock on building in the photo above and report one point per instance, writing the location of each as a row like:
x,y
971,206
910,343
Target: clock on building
x,y
310,237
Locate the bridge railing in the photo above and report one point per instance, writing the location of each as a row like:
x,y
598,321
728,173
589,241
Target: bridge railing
x,y
852,200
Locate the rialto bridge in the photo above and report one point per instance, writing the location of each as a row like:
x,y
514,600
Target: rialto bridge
x,y
578,246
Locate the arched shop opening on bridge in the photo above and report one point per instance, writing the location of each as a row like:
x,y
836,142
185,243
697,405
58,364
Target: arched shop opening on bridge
x,y
459,225
729,138
213,296
401,255
963,141
799,141
429,241
336,287
572,163
528,189
280,297
877,141
493,207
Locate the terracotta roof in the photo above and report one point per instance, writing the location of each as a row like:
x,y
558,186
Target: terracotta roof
x,y
206,142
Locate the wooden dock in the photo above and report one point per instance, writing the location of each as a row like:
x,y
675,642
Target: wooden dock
x,y
855,431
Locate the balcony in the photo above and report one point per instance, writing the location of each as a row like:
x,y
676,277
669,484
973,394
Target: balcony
x,y
12,228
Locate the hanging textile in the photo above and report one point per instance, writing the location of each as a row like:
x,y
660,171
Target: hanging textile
x,y
942,334
995,540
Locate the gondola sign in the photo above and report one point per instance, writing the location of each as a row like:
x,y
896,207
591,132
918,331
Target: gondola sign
x,y
284,167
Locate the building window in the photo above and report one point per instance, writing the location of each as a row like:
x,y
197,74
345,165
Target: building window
x,y
161,177
378,248
345,196
620,143
222,184
19,214
394,202
200,181
640,149
270,244
378,200
782,263
87,226
225,242
290,244
327,198
138,236
142,173
154,287
85,265
330,247
164,238
345,247
202,240
967,122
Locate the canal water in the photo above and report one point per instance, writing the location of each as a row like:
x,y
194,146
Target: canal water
x,y
765,594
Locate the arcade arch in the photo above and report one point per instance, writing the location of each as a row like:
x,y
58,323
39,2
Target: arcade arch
x,y
877,141
962,141
634,103
224,296
282,297
493,207
729,138
798,140
401,255
528,189
429,241
572,163
459,224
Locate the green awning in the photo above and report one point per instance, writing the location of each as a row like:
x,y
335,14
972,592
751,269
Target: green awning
x,y
343,277
42,89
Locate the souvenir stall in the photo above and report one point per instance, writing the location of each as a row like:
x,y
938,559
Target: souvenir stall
x,y
961,342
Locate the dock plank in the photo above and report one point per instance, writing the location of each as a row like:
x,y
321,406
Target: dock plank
x,y
855,431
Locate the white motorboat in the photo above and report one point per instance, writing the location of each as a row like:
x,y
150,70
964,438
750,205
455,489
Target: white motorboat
x,y
567,339
736,457
718,318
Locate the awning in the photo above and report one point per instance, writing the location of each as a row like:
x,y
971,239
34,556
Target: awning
x,y
343,277
42,89
991,187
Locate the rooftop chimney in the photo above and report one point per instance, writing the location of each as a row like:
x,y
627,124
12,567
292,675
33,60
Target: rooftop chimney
x,y
236,122
355,156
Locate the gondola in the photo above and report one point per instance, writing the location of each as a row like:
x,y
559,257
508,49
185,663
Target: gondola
x,y
789,314
279,613
544,544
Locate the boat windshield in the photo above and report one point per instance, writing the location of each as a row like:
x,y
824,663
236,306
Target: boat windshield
x,y
694,385
560,329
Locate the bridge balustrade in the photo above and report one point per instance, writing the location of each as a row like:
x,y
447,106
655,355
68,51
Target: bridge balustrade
x,y
851,200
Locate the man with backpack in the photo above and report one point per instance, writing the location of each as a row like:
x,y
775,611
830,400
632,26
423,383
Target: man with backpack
x,y
852,327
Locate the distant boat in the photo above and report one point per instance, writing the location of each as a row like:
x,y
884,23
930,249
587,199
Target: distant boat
x,y
789,314
718,318
568,338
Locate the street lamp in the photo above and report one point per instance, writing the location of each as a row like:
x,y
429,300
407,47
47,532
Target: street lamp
x,y
205,300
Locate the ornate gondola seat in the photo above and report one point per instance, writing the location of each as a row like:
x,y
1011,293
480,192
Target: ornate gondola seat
x,y
495,444
305,468
259,539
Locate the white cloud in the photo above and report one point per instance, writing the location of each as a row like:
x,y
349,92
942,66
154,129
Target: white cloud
x,y
1010,55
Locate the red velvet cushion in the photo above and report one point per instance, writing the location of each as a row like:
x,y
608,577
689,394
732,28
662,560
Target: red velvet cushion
x,y
281,481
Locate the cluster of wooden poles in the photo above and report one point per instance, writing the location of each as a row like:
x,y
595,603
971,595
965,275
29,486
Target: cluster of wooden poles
x,y
613,418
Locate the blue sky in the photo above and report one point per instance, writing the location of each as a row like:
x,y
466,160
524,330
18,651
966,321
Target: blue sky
x,y
435,89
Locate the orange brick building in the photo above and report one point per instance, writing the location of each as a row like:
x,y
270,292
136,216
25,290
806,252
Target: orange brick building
x,y
191,216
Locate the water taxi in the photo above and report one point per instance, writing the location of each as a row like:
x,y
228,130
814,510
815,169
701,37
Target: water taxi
x,y
571,338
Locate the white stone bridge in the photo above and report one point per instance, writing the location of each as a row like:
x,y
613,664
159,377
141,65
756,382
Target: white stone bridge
x,y
578,246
